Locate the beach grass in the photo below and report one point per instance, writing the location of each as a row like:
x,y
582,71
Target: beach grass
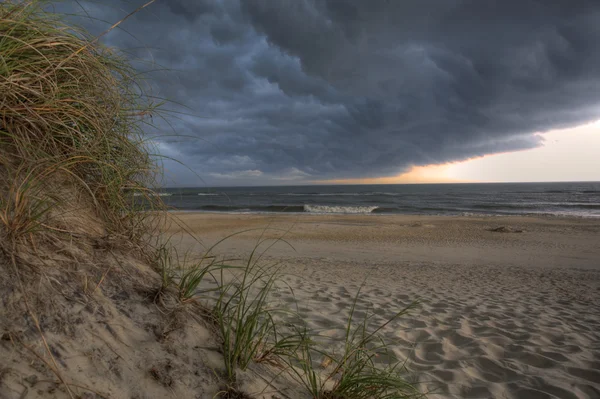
x,y
253,328
354,372
72,125
73,115
73,121
244,316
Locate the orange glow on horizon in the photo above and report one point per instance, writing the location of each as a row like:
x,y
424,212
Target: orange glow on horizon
x,y
416,175
569,154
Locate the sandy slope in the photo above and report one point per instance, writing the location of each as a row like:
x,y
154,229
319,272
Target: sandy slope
x,y
504,314
107,340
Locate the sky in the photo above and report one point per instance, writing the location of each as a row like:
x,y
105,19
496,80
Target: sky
x,y
566,155
380,91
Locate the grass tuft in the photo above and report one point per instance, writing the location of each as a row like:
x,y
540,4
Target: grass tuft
x,y
355,373
72,115
191,277
244,317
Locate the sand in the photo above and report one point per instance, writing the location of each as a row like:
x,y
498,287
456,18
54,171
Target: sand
x,y
113,339
509,305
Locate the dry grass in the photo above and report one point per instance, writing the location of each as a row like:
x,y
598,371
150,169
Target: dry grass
x,y
72,153
72,115
72,150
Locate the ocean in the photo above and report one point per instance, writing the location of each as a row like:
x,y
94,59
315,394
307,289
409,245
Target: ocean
x,y
553,199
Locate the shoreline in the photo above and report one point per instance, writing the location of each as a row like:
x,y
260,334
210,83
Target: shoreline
x,y
392,214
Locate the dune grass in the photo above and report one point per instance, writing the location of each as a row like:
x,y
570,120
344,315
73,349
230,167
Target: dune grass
x,y
244,315
354,372
72,148
73,116
253,328
72,120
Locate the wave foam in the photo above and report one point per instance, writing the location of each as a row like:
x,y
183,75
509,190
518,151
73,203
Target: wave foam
x,y
158,194
339,209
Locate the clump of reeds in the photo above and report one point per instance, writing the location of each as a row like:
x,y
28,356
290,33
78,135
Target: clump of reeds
x,y
72,114
354,372
244,316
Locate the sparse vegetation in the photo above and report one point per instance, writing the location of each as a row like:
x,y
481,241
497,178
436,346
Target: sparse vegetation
x,y
354,372
165,265
244,315
192,276
73,152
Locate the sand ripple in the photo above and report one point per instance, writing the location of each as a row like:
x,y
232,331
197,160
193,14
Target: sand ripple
x,y
480,332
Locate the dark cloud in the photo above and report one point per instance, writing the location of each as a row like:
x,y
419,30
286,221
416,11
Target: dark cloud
x,y
292,91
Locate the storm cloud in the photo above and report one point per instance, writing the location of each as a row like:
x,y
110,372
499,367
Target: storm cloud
x,y
294,91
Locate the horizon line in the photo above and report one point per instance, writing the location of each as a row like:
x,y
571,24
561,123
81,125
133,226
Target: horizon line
x,y
391,184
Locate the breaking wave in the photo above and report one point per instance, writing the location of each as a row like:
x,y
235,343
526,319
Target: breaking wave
x,y
339,209
158,194
321,209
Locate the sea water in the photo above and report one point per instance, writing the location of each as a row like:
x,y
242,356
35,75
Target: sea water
x,y
554,199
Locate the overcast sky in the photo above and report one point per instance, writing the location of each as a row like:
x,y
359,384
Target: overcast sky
x,y
288,92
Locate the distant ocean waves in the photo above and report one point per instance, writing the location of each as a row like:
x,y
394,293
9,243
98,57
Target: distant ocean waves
x,y
290,209
152,193
481,210
581,199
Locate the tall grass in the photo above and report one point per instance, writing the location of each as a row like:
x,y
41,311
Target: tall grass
x,y
191,277
164,264
25,205
72,115
244,316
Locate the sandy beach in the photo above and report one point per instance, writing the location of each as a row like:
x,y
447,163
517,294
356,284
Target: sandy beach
x,y
509,305
254,226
